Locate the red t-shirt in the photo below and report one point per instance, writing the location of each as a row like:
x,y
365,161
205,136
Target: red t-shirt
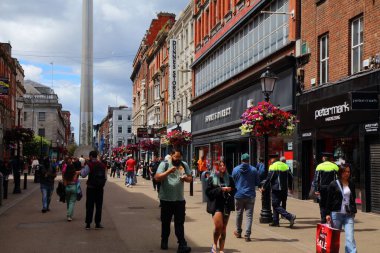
x,y
131,163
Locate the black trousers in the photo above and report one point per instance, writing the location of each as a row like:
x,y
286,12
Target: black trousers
x,y
168,209
94,198
322,204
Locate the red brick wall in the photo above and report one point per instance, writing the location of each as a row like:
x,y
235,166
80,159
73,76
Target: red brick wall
x,y
334,17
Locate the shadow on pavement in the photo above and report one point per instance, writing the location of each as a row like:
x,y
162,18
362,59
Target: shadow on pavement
x,y
274,240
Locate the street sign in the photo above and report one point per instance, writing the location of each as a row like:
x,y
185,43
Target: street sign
x,y
144,133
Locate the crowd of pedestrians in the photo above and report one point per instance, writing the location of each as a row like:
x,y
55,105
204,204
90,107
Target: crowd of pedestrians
x,y
225,193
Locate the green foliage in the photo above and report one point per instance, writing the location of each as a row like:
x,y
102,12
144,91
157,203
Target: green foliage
x,y
71,149
34,147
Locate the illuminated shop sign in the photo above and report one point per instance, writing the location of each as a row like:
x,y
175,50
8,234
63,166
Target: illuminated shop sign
x,y
333,112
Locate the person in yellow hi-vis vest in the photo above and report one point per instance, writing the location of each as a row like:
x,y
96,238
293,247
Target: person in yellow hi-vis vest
x,y
325,173
280,179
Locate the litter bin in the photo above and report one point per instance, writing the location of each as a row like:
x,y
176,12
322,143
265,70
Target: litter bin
x,y
204,177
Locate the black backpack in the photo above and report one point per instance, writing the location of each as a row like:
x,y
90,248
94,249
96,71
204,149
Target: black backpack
x,y
97,177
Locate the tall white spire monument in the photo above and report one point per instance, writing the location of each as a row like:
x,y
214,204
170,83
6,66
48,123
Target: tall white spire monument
x,y
86,90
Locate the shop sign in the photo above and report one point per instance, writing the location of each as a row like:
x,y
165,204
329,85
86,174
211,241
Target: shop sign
x,y
333,112
4,87
364,100
305,135
371,127
218,115
173,69
143,133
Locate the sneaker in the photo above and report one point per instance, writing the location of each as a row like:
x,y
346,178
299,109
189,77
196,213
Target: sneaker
x,y
43,210
237,235
247,238
164,245
99,226
128,185
88,227
292,220
69,219
273,224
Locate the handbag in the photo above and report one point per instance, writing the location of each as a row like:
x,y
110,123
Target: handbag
x,y
327,239
61,192
79,192
211,206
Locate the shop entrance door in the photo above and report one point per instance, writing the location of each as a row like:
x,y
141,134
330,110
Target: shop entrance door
x,y
375,177
307,167
233,152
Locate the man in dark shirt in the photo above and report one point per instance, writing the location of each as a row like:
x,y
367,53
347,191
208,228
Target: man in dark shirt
x,y
153,166
47,175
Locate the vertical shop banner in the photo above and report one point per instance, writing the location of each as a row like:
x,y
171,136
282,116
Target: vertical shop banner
x,y
173,69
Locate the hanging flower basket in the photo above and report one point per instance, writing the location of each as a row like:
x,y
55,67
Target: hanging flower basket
x,y
177,138
130,148
16,134
149,145
265,118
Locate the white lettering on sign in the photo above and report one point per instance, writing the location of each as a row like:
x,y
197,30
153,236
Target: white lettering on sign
x,y
331,111
172,69
373,127
306,134
218,115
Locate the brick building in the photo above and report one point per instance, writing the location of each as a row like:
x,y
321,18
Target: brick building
x,y
339,68
234,43
11,76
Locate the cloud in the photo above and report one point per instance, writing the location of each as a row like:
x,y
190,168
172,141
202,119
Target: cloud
x,y
32,72
42,32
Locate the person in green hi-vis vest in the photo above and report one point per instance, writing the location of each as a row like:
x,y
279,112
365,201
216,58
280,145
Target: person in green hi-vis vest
x,y
280,179
325,173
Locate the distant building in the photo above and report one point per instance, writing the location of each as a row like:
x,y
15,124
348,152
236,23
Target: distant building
x,y
43,113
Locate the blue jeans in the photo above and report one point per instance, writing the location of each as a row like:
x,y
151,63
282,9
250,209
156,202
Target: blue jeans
x,y
130,175
278,200
246,204
342,219
47,191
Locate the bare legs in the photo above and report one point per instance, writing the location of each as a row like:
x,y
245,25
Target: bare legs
x,y
220,222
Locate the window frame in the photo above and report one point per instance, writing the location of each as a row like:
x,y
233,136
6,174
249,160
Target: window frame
x,y
324,59
40,117
360,44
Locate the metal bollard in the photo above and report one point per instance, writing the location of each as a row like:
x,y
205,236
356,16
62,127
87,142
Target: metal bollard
x,y
25,180
5,184
1,189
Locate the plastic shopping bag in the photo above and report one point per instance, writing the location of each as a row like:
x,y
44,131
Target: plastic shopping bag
x,y
327,239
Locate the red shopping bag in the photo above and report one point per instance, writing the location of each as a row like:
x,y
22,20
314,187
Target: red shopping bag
x,y
327,239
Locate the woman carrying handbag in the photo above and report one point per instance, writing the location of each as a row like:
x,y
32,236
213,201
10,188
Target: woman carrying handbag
x,y
70,180
220,192
341,206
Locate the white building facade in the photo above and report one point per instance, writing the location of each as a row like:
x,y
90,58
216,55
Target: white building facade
x,y
183,32
120,126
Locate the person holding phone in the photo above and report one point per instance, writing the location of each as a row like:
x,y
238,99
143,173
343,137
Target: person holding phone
x,y
220,192
172,174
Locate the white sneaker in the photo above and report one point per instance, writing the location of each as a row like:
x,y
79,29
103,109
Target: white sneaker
x,y
69,219
128,185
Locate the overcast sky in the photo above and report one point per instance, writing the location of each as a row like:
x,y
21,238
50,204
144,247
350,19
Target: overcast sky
x,y
46,38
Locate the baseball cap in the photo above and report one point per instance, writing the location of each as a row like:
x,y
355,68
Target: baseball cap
x,y
245,157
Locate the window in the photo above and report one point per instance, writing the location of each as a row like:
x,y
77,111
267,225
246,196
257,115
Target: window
x,y
356,45
129,129
129,117
41,116
119,143
41,132
25,116
119,117
324,59
120,129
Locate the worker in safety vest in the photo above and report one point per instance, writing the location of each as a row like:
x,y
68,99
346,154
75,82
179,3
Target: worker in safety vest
x,y
280,179
325,173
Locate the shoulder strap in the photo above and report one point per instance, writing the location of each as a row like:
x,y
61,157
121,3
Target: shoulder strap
x,y
166,166
340,187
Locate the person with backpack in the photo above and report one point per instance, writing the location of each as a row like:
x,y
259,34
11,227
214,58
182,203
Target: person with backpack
x,y
172,174
97,177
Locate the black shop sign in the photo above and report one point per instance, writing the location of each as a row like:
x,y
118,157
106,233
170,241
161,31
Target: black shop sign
x,y
338,110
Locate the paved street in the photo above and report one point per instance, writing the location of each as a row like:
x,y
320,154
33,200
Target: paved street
x,y
131,220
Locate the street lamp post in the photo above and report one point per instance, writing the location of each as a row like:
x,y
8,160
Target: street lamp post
x,y
18,167
57,149
268,81
178,119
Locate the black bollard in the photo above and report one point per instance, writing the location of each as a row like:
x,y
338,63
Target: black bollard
x,y
5,183
25,180
192,187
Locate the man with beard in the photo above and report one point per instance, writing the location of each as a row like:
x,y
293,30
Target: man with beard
x,y
172,174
